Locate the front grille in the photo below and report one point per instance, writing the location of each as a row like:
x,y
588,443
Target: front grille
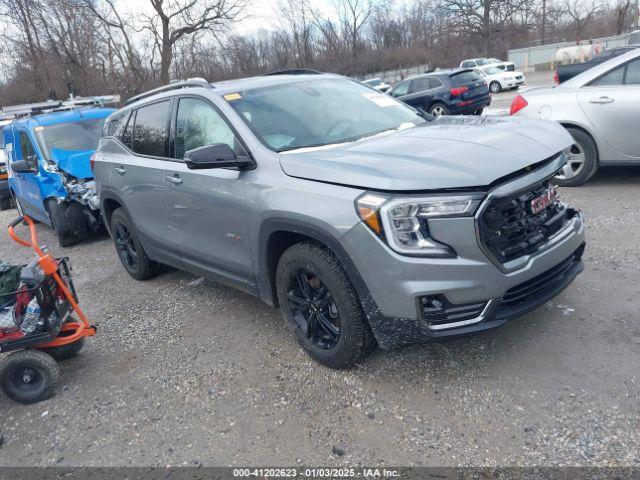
x,y
439,313
539,286
510,229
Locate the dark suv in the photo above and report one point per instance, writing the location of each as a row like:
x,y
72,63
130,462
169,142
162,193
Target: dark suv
x,y
446,92
363,221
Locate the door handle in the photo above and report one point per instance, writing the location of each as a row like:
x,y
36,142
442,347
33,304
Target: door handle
x,y
601,100
120,170
174,179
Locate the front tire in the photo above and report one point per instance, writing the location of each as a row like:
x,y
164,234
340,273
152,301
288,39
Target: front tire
x,y
60,223
5,203
321,306
29,376
582,163
129,249
495,87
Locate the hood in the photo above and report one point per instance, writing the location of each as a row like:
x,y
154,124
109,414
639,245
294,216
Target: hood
x,y
74,162
450,152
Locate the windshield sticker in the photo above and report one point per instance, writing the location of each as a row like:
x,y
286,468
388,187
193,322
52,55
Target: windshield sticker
x,y
229,97
381,99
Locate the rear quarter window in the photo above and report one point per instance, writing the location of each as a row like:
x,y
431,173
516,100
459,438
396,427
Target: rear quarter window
x,y
464,78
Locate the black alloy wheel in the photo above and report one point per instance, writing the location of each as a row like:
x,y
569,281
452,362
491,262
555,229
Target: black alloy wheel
x,y
126,247
314,309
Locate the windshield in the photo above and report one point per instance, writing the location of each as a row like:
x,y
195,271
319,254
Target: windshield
x,y
319,112
374,82
76,136
483,61
493,70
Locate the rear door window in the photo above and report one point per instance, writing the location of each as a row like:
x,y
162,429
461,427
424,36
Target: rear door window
x,y
420,84
435,82
151,129
464,78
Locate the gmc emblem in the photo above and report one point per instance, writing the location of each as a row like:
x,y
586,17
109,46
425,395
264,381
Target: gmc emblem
x,y
547,198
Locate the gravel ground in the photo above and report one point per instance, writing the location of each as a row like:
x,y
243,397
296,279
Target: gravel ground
x,y
187,372
184,371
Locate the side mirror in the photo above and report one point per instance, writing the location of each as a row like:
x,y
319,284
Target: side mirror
x,y
218,155
21,166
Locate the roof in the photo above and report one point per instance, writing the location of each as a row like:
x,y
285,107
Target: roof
x,y
65,116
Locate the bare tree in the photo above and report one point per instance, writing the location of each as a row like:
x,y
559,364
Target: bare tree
x,y
580,14
175,19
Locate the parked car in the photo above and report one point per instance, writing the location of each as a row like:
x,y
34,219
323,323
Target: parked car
x,y
499,80
600,108
48,146
377,83
363,221
484,63
445,92
565,72
502,65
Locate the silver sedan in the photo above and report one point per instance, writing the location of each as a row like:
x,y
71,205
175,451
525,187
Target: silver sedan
x,y
600,108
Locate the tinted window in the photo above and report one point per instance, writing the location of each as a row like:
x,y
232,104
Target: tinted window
x,y
464,78
633,73
614,77
150,132
468,64
435,82
26,147
401,89
115,127
419,84
199,124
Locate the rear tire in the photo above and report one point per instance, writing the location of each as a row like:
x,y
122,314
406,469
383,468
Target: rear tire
x,y
438,109
59,222
331,327
29,376
582,163
65,352
129,249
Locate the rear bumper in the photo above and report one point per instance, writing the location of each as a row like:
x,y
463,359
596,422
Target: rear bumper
x,y
458,109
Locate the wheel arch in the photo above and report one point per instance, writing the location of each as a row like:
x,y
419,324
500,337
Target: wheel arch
x,y
576,126
277,235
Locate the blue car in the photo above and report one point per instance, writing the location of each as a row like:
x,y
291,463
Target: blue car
x,y
48,147
445,92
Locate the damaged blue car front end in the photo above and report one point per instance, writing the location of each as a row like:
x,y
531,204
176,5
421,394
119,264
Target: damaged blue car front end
x,y
58,186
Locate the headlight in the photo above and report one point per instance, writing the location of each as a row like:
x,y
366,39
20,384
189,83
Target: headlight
x,y
404,222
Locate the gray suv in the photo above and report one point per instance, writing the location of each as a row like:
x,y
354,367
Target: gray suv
x,y
365,221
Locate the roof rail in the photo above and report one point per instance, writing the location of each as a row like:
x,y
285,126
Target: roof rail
x,y
28,109
295,71
190,82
